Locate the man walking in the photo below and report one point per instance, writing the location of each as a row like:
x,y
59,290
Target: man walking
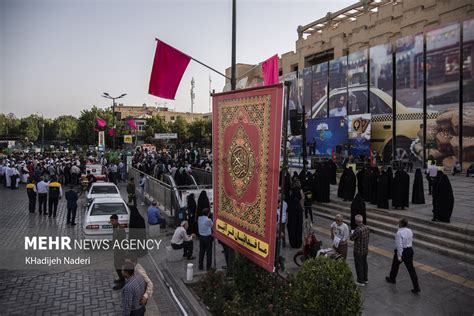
x,y
404,253
360,236
71,198
340,235
205,239
119,254
133,291
42,188
55,192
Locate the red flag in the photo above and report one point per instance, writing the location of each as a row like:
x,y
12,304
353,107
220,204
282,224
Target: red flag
x,y
168,69
270,70
100,121
132,124
111,132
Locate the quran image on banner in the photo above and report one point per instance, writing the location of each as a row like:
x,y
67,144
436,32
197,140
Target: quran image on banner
x,y
359,129
246,145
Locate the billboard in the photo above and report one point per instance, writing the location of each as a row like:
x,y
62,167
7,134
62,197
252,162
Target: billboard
x,y
166,135
319,91
468,93
246,156
359,130
330,134
358,100
338,87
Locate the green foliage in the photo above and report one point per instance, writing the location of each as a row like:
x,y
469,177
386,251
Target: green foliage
x,y
9,124
65,127
200,132
326,287
29,127
86,124
180,126
215,291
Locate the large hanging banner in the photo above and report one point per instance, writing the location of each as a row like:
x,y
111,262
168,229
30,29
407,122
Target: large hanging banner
x,y
246,142
328,135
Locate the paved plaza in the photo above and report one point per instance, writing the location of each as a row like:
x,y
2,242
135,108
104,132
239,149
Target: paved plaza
x,y
447,284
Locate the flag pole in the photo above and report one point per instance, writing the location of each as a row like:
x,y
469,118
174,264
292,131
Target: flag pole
x,y
203,64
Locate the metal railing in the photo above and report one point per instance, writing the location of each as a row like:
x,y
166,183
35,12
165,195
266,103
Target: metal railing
x,y
202,176
169,198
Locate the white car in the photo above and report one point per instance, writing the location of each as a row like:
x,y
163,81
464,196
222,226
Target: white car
x,y
102,189
97,218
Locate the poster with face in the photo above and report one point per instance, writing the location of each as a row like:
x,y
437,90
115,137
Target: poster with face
x,y
319,98
338,87
359,132
357,82
328,134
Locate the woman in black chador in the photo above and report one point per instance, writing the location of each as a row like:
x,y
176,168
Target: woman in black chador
x,y
401,189
390,181
358,207
332,169
320,188
418,194
382,190
137,230
203,202
443,198
295,215
360,181
191,214
347,185
373,184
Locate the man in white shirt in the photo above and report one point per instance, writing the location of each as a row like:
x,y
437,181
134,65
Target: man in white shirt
x,y
181,240
404,253
340,235
42,188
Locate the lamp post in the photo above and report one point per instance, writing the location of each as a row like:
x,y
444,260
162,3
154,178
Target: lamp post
x,y
42,131
107,96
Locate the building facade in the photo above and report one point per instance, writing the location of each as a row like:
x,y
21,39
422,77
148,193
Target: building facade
x,y
407,64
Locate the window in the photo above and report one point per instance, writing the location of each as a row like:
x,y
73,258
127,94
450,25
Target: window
x,y
103,190
378,106
357,102
108,209
172,118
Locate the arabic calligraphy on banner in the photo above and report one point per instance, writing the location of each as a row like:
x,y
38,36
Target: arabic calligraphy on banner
x,y
246,162
253,244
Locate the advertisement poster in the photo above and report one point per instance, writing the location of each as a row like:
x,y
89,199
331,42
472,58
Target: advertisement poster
x,y
359,129
246,159
468,94
330,134
357,82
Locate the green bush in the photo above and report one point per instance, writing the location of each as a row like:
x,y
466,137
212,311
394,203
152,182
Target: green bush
x,y
325,287
215,291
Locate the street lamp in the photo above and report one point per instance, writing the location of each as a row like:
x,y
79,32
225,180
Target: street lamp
x,y
107,96
42,131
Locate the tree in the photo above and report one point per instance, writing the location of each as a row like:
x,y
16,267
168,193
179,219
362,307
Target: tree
x,y
29,127
155,124
200,132
86,124
65,127
9,124
180,126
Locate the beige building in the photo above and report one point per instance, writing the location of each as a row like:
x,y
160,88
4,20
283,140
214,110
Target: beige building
x,y
141,113
362,25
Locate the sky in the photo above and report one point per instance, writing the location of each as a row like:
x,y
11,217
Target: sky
x,y
58,56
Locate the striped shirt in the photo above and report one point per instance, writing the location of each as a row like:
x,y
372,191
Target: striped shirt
x,y
360,236
132,293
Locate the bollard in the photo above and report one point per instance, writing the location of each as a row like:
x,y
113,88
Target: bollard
x,y
189,272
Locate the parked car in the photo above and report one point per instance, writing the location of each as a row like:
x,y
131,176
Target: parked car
x,y
102,189
96,222
408,119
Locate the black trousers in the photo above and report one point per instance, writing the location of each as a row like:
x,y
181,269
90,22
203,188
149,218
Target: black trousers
x,y
308,209
407,258
187,246
42,198
53,206
32,204
205,247
71,215
430,184
361,266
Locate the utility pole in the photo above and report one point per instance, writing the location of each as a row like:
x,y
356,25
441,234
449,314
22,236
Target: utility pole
x,y
192,94
210,92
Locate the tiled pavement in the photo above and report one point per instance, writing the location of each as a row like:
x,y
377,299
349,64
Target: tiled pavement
x,y
59,290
